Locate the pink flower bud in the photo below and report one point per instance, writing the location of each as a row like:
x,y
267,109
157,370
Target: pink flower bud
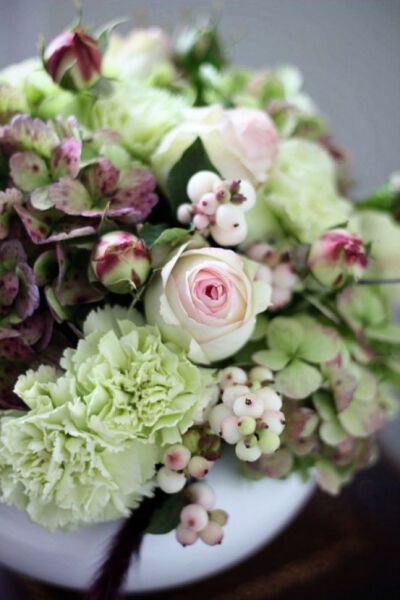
x,y
212,534
199,466
201,493
335,255
194,517
177,457
120,261
186,536
73,60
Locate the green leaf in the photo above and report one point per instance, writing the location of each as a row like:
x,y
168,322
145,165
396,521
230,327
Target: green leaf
x,y
103,35
170,236
244,357
298,380
150,233
285,334
167,517
194,159
272,359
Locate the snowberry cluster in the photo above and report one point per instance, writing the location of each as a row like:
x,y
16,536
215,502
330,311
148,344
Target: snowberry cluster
x,y
276,270
249,416
217,207
179,465
199,519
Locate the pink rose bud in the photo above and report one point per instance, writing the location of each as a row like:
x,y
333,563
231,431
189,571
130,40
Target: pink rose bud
x,y
120,261
73,60
335,255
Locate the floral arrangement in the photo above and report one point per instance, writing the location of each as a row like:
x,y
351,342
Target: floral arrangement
x,y
181,274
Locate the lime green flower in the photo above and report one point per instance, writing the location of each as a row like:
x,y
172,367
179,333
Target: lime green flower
x,y
87,449
136,386
57,469
302,192
142,116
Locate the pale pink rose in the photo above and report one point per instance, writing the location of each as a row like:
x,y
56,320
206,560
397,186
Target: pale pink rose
x,y
242,143
206,300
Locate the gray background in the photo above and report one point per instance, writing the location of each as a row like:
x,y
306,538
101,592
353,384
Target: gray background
x,y
348,50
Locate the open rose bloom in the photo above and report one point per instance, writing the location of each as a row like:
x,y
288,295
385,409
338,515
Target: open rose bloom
x,y
207,300
181,276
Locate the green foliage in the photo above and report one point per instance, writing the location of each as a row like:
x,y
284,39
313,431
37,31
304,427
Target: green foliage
x,y
194,159
166,518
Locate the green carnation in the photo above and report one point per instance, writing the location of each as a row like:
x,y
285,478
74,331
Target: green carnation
x,y
142,116
136,386
86,451
53,466
302,191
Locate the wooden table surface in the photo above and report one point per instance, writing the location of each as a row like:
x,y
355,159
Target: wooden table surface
x,y
337,548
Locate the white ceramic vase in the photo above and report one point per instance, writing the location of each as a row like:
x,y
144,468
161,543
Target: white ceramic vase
x,y
258,512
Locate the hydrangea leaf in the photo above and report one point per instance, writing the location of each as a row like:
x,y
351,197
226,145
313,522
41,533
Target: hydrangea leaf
x,y
278,465
298,380
324,405
328,477
45,267
273,359
65,160
70,196
300,421
28,296
32,135
40,198
28,171
285,334
320,344
344,385
101,177
8,199
332,433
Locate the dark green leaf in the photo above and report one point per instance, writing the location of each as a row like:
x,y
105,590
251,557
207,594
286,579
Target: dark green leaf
x,y
166,518
150,233
194,159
